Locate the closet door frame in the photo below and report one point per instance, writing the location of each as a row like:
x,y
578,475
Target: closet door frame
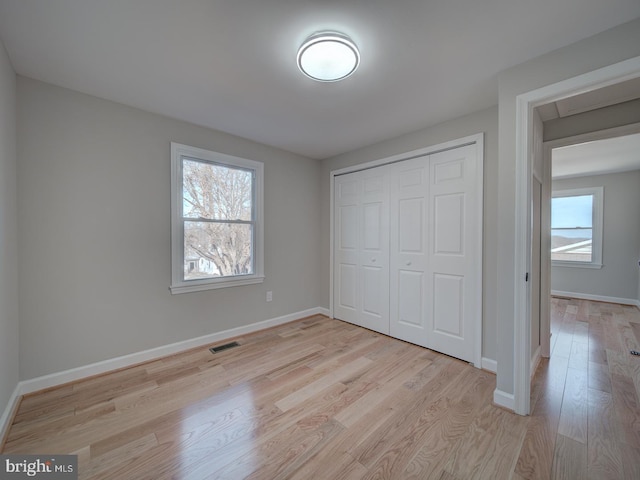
x,y
478,141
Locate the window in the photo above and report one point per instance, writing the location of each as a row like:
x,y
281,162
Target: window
x,y
576,227
216,220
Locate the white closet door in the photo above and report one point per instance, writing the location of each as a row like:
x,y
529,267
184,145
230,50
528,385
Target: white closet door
x,y
453,283
409,189
346,254
407,241
361,269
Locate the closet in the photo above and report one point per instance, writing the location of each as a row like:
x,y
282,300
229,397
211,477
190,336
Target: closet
x,y
407,250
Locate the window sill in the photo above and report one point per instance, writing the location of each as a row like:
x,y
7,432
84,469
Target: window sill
x,y
557,263
213,285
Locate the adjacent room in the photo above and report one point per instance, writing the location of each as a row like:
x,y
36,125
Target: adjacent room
x,y
333,240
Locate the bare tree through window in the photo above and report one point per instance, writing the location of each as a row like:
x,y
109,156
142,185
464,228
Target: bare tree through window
x,y
218,216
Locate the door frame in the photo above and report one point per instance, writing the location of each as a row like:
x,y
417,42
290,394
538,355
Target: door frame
x,y
478,140
539,351
525,103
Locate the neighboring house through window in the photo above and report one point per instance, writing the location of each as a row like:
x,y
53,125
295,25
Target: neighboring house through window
x,y
576,227
216,220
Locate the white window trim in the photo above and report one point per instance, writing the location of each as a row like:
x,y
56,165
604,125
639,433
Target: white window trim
x,y
178,284
597,227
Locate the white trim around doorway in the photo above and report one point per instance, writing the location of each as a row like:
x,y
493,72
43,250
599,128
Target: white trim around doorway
x,y
525,103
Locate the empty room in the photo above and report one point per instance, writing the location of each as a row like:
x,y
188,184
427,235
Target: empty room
x,y
319,239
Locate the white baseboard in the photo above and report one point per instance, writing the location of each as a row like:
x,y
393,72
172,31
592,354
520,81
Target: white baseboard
x,y
489,365
504,399
596,298
59,378
7,415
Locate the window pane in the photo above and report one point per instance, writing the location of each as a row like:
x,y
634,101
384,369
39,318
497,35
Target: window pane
x,y
572,212
216,192
573,245
572,228
217,250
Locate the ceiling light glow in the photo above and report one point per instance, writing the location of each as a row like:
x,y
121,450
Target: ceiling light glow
x,y
328,57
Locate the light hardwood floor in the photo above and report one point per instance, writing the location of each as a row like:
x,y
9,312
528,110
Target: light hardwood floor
x,y
322,399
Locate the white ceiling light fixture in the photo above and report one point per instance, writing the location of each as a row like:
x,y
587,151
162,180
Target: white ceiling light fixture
x,y
328,56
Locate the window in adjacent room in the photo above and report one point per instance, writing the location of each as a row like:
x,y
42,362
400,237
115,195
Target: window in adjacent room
x,y
576,227
216,220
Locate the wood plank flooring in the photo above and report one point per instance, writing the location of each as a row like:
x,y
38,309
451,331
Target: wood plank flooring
x,y
584,421
322,399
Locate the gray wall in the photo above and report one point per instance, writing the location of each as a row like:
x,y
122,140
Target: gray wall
x,y
607,48
486,122
621,236
9,327
94,229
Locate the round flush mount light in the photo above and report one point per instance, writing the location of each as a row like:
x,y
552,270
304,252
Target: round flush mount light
x,y
328,56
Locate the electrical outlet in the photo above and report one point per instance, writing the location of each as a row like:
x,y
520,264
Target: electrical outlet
x,y
269,296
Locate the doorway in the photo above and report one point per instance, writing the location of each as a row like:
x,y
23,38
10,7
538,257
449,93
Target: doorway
x,y
525,105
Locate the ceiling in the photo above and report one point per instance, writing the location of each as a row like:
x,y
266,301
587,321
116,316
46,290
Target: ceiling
x,y
231,65
619,154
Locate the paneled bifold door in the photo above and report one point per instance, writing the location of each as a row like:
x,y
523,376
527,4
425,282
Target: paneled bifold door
x,y
405,256
362,248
